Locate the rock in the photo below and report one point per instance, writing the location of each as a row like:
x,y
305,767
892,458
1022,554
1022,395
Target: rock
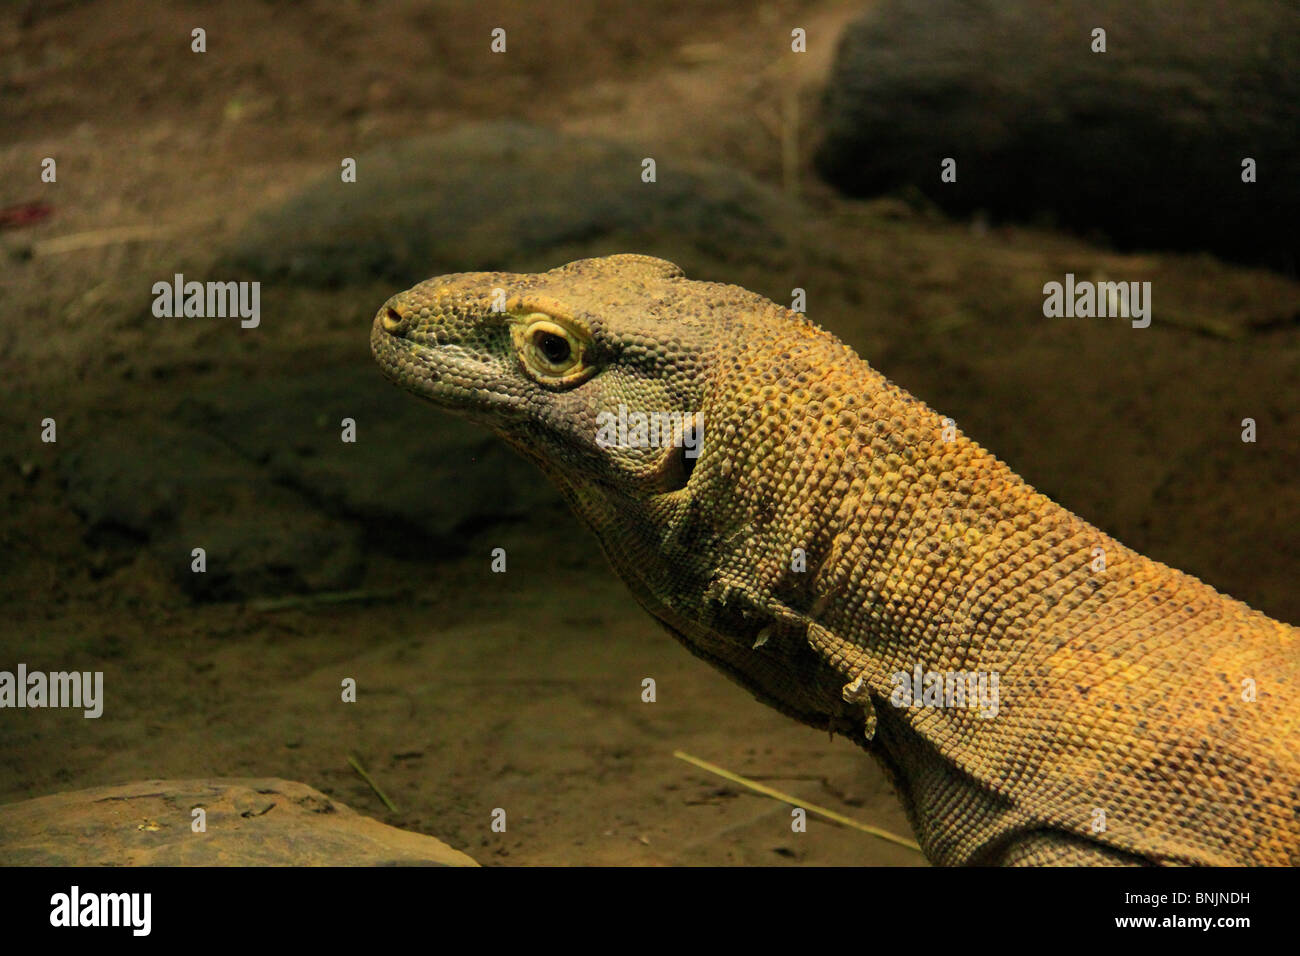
x,y
168,491
261,480
500,195
1143,143
416,480
250,822
256,549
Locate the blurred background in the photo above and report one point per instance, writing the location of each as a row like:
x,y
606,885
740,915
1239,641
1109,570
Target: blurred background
x,y
777,169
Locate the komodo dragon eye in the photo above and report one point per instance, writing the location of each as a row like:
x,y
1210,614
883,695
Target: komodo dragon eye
x,y
554,347
552,352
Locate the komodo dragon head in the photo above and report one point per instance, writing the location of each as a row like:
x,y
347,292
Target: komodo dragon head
x,y
555,362
538,358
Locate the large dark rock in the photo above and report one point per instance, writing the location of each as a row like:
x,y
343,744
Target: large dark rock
x,y
415,478
500,195
260,478
167,491
1142,143
267,822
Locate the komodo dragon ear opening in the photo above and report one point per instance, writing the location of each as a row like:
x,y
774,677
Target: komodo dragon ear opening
x,y
688,464
675,471
680,464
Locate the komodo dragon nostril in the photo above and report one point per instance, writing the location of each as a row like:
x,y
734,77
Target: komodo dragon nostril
x,y
394,321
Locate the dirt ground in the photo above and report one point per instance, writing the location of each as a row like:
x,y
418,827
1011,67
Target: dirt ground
x,y
523,691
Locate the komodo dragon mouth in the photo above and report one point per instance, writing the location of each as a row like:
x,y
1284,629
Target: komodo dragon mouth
x,y
447,375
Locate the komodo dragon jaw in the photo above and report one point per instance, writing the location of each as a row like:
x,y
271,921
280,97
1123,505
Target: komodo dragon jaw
x,y
835,536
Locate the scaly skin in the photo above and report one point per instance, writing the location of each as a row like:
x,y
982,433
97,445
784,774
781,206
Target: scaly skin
x,y
1125,731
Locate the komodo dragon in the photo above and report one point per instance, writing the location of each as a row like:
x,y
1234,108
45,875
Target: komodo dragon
x,y
835,536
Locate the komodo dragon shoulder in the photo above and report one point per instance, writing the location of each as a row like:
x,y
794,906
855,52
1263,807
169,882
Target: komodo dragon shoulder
x,y
1038,692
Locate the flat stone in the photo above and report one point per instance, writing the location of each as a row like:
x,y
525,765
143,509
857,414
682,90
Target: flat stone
x,y
250,822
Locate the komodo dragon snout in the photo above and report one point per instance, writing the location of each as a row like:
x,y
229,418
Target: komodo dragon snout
x,y
848,555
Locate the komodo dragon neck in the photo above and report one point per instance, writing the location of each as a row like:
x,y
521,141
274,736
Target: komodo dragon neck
x,y
1077,703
